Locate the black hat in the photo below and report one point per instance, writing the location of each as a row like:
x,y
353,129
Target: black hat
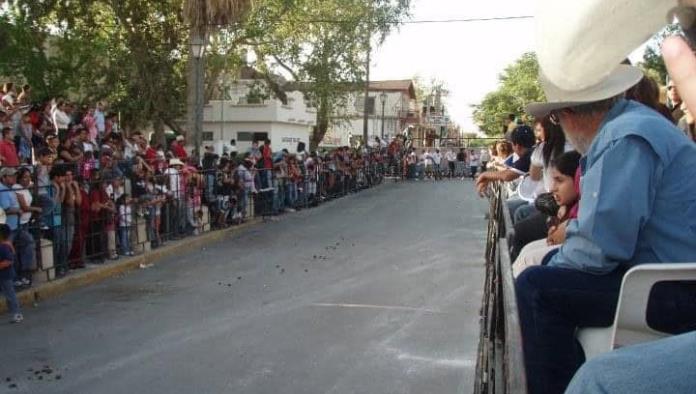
x,y
523,135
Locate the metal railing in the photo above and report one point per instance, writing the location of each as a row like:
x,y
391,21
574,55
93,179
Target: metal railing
x,y
500,362
95,216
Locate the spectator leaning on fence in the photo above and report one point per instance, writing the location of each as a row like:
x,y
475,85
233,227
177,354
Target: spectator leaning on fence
x,y
637,169
522,139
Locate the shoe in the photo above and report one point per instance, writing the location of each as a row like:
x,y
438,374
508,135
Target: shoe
x,y
17,318
114,256
26,282
18,283
130,254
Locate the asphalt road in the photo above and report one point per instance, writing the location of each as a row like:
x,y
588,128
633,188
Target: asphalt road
x,y
374,293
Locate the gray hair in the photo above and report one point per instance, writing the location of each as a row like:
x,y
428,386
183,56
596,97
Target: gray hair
x,y
597,107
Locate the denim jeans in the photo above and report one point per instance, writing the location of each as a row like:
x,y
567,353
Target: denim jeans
x,y
124,240
291,194
7,287
242,203
524,212
513,204
553,302
26,250
60,249
663,366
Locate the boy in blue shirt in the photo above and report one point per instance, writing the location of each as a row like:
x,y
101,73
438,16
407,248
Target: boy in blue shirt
x,y
7,274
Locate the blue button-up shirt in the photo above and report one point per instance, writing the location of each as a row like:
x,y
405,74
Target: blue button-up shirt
x,y
8,200
638,190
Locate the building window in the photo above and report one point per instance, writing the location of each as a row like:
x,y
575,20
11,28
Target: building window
x,y
207,136
360,105
248,136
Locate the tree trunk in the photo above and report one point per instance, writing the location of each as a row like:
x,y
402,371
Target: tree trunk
x,y
158,136
322,124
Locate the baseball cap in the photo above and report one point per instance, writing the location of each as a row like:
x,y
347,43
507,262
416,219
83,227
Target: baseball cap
x,y
8,171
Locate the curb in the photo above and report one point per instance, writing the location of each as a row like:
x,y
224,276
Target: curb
x,y
90,276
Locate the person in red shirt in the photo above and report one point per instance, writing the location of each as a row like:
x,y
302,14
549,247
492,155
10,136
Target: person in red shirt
x,y
178,148
8,150
267,158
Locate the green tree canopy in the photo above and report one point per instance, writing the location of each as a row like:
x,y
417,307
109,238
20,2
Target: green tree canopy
x,y
518,86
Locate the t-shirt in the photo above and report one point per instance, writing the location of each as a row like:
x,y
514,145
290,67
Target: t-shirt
x,y
437,158
125,215
175,182
8,151
522,164
8,200
20,190
7,254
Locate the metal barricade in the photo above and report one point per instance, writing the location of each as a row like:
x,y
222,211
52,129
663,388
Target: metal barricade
x,y
500,362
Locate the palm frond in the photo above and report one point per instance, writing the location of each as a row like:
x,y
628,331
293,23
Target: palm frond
x,y
215,12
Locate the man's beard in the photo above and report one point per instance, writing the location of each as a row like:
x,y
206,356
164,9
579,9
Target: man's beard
x,y
580,142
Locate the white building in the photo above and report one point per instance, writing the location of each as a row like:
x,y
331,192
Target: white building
x,y
392,107
246,116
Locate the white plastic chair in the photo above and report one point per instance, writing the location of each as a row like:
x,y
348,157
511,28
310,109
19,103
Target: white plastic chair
x,y
630,324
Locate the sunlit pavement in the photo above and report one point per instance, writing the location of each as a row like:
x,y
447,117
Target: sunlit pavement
x,y
374,293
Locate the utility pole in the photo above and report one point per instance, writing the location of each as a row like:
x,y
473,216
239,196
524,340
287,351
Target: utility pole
x,y
366,111
367,85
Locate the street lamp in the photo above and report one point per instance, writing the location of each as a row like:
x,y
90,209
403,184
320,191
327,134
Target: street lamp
x,y
383,99
198,44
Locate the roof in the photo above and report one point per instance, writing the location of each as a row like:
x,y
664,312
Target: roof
x,y
404,85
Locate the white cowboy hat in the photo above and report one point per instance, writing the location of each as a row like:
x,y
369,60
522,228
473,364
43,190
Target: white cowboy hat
x,y
618,81
175,162
579,43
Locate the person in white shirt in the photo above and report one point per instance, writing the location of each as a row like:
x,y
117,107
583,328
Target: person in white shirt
x,y
125,223
451,159
100,119
61,120
485,158
177,190
437,159
473,163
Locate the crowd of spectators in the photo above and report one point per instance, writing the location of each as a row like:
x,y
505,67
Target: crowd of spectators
x,y
71,175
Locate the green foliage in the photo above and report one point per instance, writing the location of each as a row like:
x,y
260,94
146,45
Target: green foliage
x,y
519,85
652,62
126,52
324,43
134,54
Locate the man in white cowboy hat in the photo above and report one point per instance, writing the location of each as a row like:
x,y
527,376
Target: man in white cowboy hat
x,y
177,187
638,183
586,34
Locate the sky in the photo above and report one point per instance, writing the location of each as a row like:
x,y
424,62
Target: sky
x,y
467,56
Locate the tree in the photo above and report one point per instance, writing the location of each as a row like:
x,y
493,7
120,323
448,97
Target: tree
x,y
518,86
126,52
324,44
653,64
205,19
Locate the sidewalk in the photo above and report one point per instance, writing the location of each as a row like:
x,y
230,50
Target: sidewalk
x,y
97,273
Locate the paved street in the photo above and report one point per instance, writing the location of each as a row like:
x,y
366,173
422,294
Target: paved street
x,y
374,293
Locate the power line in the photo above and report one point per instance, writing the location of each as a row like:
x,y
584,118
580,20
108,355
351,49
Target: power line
x,y
393,21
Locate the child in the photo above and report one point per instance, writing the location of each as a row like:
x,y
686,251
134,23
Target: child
x,y
125,223
7,274
566,191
